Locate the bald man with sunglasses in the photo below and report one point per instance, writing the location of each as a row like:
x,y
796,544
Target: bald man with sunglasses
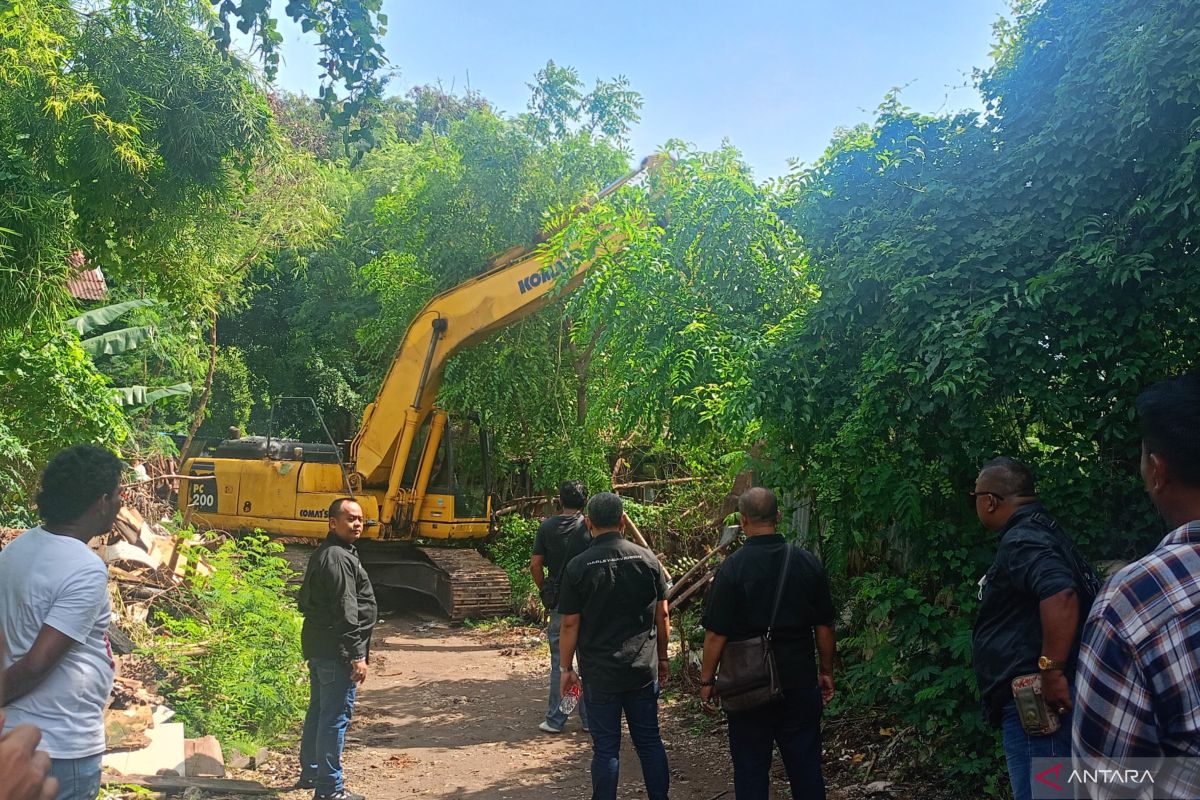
x,y
1033,601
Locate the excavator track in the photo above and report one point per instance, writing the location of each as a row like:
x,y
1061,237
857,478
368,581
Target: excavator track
x,y
479,588
463,582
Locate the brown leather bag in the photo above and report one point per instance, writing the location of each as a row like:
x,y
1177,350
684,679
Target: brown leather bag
x,y
748,677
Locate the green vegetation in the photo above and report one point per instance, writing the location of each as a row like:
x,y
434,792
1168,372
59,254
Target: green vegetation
x,y
933,291
1004,285
510,550
229,642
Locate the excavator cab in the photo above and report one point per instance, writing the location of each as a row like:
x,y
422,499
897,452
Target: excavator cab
x,y
448,500
464,471
448,478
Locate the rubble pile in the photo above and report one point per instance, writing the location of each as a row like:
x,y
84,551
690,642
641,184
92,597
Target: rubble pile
x,y
146,563
7,535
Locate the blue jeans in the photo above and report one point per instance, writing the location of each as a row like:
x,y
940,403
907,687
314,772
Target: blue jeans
x,y
793,723
1020,749
330,705
78,778
641,714
553,715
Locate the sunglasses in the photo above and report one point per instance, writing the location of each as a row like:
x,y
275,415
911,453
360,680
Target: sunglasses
x,y
974,495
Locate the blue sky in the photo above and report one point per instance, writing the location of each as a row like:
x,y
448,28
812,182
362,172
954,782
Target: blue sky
x,y
775,78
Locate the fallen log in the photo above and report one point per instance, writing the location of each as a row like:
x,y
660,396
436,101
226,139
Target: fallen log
x,y
522,503
654,483
171,785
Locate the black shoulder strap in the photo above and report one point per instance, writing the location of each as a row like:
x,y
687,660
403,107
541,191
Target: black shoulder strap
x,y
783,571
1089,582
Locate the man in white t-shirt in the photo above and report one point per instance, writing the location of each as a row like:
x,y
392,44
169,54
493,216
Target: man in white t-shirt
x,y
54,613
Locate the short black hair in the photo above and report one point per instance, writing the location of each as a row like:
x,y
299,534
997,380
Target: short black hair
x,y
335,507
1170,415
605,509
74,479
759,504
1010,478
572,494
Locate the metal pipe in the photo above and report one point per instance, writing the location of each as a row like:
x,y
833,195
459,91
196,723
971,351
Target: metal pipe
x,y
439,328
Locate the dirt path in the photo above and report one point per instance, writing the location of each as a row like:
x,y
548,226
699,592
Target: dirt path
x,y
453,713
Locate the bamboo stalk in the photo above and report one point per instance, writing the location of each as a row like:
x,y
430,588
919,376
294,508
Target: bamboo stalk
x,y
637,537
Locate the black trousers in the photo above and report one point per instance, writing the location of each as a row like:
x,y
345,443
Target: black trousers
x,y
794,723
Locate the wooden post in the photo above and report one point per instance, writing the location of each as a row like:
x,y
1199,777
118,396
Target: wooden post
x,y
637,537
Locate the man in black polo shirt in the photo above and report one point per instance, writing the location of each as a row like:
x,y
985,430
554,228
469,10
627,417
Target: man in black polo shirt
x,y
559,539
739,607
1034,599
338,604
614,607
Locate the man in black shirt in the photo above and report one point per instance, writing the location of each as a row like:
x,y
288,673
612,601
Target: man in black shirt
x,y
739,607
338,604
1034,599
559,539
614,608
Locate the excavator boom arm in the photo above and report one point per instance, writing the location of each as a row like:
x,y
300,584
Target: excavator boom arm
x,y
515,288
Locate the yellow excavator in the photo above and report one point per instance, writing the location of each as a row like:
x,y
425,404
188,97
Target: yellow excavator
x,y
423,479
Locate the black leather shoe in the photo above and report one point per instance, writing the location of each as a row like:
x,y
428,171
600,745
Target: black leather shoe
x,y
342,795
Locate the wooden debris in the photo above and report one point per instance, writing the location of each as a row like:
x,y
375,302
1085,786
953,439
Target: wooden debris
x,y
128,693
129,557
125,728
743,481
119,641
236,759
654,483
202,758
525,505
693,583
690,591
132,528
171,785
145,562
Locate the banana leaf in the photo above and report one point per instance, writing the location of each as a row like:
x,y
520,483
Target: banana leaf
x,y
118,341
99,317
145,395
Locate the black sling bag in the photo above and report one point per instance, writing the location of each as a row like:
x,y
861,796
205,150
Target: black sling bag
x,y
748,677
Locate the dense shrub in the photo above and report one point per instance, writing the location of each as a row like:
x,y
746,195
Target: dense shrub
x,y
51,396
230,644
1003,285
511,549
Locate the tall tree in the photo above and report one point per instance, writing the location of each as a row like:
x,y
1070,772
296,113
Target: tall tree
x,y
995,285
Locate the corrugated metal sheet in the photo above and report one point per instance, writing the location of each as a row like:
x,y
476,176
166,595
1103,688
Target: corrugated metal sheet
x,y
88,284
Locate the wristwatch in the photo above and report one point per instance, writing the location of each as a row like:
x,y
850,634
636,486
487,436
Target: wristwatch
x,y
1046,664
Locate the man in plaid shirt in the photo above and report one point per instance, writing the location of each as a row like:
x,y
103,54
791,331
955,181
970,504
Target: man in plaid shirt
x,y
1139,667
